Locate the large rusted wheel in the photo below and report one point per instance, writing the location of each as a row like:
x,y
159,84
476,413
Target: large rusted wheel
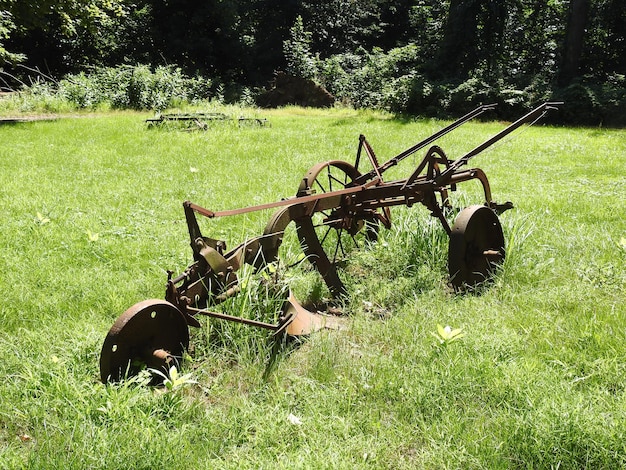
x,y
151,334
328,237
476,246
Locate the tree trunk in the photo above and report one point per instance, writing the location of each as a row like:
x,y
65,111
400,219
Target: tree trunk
x,y
457,53
572,50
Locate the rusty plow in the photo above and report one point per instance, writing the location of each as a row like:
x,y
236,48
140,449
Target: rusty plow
x,y
336,209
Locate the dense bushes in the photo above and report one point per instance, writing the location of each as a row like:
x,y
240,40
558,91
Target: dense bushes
x,y
375,80
591,103
391,81
134,87
429,57
125,87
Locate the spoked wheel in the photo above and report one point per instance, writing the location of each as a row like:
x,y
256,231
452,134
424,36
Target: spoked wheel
x,y
150,334
476,246
329,236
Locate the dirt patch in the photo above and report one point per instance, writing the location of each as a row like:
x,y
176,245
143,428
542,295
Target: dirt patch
x,y
286,89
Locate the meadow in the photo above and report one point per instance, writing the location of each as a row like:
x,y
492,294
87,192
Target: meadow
x,y
92,219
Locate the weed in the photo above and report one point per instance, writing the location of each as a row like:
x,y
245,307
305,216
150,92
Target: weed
x,y
446,335
173,380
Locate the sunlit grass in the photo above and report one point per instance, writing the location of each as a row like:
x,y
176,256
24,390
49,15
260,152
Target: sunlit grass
x,y
92,219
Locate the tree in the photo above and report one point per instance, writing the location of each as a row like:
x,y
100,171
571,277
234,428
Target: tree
x,y
236,40
573,47
472,37
457,53
297,50
269,25
531,41
32,14
6,28
340,26
38,27
604,51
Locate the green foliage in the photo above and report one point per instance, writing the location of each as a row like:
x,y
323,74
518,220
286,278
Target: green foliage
x,y
341,26
39,97
124,87
391,81
134,88
66,14
409,57
368,79
173,381
297,50
446,335
6,27
590,103
59,23
120,38
412,93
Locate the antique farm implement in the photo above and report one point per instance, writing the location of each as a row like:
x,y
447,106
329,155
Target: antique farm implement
x,y
200,120
334,206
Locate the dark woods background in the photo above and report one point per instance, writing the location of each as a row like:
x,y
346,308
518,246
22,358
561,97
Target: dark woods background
x,y
427,57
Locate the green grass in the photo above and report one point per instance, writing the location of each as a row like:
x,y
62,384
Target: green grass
x,y
536,382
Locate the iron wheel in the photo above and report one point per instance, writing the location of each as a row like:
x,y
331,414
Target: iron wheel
x,y
476,246
151,334
328,237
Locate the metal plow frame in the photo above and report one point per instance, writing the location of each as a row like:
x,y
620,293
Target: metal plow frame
x,y
334,204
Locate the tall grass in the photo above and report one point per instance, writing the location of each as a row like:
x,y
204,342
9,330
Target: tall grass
x,y
92,219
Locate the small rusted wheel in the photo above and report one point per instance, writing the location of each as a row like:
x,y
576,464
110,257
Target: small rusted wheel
x,y
329,236
476,246
151,334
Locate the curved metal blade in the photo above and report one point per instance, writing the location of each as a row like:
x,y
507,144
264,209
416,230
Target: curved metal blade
x,y
301,322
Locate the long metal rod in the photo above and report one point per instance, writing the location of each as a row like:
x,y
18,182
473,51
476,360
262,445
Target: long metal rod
x,y
429,140
365,181
285,202
222,316
537,112
471,115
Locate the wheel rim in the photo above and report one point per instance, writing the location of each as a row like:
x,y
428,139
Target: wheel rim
x,y
328,237
476,247
151,334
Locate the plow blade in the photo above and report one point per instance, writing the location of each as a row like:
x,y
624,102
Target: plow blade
x,y
301,322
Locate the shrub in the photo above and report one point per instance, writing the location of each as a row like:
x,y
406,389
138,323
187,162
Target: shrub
x,y
613,93
366,79
589,103
413,94
393,81
297,51
78,89
137,87
469,94
581,105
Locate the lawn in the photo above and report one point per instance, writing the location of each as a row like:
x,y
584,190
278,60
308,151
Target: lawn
x,y
93,219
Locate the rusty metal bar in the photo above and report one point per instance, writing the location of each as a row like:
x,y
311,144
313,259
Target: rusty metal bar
x,y
285,202
538,112
223,316
429,140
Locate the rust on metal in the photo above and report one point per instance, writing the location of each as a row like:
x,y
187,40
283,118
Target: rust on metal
x,y
336,209
152,333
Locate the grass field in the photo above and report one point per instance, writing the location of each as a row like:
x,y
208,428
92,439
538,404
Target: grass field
x,y
92,218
